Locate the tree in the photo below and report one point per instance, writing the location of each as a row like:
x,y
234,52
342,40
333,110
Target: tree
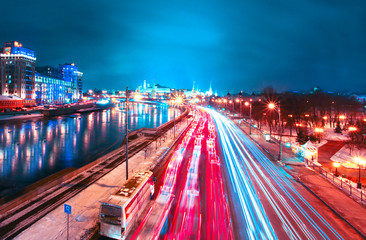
x,y
338,129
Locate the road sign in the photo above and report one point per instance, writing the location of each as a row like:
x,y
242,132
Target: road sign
x,y
67,209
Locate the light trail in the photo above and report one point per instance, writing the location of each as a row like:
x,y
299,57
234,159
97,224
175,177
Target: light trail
x,y
153,223
219,222
187,216
251,171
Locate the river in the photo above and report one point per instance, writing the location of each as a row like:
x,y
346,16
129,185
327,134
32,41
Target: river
x,y
34,149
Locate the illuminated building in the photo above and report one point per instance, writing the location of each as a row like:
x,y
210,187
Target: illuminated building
x,y
51,90
155,91
209,92
70,72
17,72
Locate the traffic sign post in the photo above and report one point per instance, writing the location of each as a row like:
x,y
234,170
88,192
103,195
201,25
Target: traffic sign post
x,y
67,210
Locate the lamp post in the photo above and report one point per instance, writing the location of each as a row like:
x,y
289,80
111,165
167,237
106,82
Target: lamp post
x,y
126,133
177,102
273,106
359,162
352,131
250,116
319,131
239,101
336,165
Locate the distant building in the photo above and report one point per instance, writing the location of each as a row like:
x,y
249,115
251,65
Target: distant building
x,y
49,71
70,72
209,92
51,90
17,72
154,90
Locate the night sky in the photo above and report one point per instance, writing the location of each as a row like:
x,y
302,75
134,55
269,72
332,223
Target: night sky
x,y
236,45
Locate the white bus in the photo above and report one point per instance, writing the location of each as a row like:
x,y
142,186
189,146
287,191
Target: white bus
x,y
120,211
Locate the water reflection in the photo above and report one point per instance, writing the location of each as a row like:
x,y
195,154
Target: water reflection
x,y
33,149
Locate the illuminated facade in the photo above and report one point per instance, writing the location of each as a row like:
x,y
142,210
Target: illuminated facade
x,y
155,90
51,90
17,72
71,73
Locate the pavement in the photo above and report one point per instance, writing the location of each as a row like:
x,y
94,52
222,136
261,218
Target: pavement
x,y
85,205
337,200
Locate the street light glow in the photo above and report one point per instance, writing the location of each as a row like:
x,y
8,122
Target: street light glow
x,y
179,100
271,106
319,130
359,161
336,164
352,129
246,103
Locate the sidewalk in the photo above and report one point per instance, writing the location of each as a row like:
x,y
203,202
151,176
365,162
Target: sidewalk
x,y
271,147
336,199
85,205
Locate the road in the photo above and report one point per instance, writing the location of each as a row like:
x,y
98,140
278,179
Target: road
x,y
193,178
265,201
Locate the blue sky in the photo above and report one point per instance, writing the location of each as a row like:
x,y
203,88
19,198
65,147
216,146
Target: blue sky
x,y
236,45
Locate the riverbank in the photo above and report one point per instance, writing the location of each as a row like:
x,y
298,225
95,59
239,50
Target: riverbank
x,y
60,111
68,173
21,115
85,204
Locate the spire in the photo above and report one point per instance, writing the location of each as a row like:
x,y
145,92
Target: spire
x,y
210,90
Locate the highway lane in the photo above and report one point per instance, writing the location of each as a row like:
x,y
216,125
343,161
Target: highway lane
x,y
218,221
265,201
200,207
152,225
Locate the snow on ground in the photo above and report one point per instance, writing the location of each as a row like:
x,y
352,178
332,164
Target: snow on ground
x,y
328,134
85,205
348,157
343,155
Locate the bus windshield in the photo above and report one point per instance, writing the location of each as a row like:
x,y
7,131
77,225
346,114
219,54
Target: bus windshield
x,y
110,214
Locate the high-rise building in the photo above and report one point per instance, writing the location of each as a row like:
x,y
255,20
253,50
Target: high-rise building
x,y
71,73
17,72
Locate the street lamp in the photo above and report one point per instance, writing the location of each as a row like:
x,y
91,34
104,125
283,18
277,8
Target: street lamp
x,y
126,133
319,131
239,101
272,106
250,116
336,165
359,162
352,130
177,102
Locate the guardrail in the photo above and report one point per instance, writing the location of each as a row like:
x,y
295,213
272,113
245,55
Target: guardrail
x,y
344,184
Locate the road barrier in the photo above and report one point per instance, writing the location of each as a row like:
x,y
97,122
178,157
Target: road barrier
x,y
344,184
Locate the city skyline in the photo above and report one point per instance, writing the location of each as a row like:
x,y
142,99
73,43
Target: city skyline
x,y
290,46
